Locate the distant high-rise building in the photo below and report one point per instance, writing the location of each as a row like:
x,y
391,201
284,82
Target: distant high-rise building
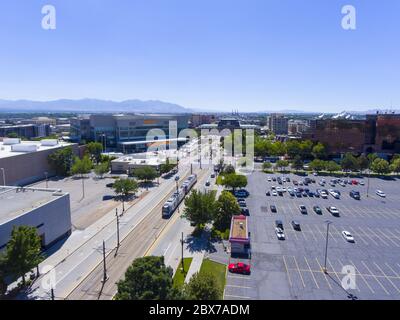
x,y
278,123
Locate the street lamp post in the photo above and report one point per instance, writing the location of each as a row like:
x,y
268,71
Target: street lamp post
x,y
105,276
326,245
369,174
183,265
177,183
116,214
4,176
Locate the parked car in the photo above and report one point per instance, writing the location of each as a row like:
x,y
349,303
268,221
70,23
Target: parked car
x,y
244,211
273,208
362,183
213,175
268,193
208,183
274,193
317,210
296,225
280,234
333,210
239,267
348,237
355,194
303,209
381,193
242,193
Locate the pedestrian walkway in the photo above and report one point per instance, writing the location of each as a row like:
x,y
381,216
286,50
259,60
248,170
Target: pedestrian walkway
x,y
195,265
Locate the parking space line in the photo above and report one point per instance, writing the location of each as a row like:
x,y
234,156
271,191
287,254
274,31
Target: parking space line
x,y
234,286
287,270
237,277
237,297
390,239
392,234
367,235
312,274
336,230
380,238
312,233
320,232
387,278
334,270
374,276
298,270
362,277
395,273
326,278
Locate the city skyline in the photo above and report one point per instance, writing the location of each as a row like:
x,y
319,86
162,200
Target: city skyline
x,y
255,57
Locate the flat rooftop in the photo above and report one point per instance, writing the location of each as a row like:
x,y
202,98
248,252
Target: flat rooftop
x,y
6,150
239,228
16,203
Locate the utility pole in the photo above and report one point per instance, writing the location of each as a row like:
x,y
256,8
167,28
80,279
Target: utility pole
x,y
326,245
369,174
52,294
105,277
183,265
83,187
116,214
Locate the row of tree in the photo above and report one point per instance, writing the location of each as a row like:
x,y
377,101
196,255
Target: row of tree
x,y
148,278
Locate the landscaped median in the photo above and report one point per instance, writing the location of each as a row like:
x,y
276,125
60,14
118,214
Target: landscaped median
x,y
180,275
218,270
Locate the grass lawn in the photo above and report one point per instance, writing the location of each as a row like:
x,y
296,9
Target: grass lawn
x,y
179,277
217,269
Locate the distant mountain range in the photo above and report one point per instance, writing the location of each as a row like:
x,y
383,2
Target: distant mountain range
x,y
91,105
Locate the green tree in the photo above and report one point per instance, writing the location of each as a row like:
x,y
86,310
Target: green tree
x,y
23,251
95,149
297,163
61,161
167,166
317,165
332,166
200,208
306,147
227,207
235,181
363,162
371,157
267,165
148,278
145,173
318,151
125,187
229,169
293,148
282,164
349,162
395,165
380,166
202,286
12,135
101,169
82,167
3,284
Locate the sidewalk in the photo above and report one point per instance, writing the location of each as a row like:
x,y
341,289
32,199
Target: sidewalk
x,y
195,265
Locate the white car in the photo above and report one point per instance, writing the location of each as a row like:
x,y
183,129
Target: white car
x,y
334,194
333,210
323,195
274,193
362,183
380,193
269,179
278,189
315,174
283,189
280,234
348,237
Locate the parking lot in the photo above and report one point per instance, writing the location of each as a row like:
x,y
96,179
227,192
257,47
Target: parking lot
x,y
293,268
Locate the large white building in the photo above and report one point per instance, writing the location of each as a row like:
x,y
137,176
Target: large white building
x,y
25,162
278,123
46,210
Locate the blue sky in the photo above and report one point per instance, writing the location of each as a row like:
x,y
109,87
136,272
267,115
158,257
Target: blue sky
x,y
251,55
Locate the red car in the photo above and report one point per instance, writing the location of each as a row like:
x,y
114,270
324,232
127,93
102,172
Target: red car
x,y
354,182
239,267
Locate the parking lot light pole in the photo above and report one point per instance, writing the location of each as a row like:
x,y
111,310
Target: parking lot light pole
x,y
326,245
116,214
369,174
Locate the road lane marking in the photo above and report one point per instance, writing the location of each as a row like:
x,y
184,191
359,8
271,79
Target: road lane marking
x,y
374,276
